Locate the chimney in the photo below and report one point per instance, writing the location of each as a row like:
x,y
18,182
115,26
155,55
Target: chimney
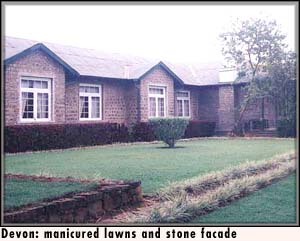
x,y
126,71
227,75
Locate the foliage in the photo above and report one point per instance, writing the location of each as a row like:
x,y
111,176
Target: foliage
x,y
252,44
273,204
169,130
20,138
142,131
256,48
183,207
200,129
201,184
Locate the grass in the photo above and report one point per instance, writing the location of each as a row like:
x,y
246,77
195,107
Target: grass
x,y
20,192
153,165
273,204
181,205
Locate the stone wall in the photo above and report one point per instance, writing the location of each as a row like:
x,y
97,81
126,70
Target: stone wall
x,y
35,64
226,111
79,207
160,77
194,101
209,104
114,100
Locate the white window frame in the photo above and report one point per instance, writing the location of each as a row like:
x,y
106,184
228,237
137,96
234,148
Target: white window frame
x,y
183,99
90,95
35,92
156,96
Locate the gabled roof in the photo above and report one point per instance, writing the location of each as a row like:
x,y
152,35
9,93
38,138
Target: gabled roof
x,y
90,62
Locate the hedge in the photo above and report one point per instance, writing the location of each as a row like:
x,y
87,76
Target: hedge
x,y
142,131
58,136
21,138
200,129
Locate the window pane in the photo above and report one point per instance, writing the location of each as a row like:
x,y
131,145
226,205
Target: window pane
x,y
186,108
27,105
42,105
152,107
161,107
24,83
157,91
179,108
84,107
37,84
182,94
44,85
95,107
89,89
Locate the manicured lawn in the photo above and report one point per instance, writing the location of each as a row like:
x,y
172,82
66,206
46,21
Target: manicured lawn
x,y
273,204
153,165
20,191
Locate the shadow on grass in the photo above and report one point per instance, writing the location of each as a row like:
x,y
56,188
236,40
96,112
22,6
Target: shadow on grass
x,y
166,147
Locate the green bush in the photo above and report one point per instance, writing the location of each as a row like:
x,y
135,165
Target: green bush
x,y
169,130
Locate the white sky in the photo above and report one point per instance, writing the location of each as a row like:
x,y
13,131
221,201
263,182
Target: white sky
x,y
179,33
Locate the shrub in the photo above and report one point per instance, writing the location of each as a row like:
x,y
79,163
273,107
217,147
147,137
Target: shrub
x,y
169,130
200,129
286,128
22,138
142,131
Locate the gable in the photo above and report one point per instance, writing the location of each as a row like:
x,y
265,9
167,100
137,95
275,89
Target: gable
x,y
44,49
162,67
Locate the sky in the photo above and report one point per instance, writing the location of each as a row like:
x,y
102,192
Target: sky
x,y
178,33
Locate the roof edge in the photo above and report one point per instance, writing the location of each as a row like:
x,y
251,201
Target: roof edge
x,y
166,68
40,46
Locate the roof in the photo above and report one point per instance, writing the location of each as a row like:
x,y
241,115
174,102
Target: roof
x,y
91,62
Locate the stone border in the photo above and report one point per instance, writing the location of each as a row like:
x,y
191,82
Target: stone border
x,y
79,207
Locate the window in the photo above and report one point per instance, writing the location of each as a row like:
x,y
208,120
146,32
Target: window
x,y
90,102
183,103
157,101
35,99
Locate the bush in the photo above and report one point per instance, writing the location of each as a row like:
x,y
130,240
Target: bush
x,y
286,128
169,130
142,131
22,138
200,129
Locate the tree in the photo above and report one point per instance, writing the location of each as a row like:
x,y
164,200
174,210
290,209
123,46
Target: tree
x,y
255,47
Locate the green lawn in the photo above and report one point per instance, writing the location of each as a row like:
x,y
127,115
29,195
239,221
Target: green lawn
x,y
273,204
153,165
19,192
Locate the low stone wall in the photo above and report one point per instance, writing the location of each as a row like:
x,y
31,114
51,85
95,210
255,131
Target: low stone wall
x,y
79,207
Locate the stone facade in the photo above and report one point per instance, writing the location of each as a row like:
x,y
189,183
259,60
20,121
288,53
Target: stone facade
x,y
114,99
226,110
208,104
35,64
124,101
157,77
